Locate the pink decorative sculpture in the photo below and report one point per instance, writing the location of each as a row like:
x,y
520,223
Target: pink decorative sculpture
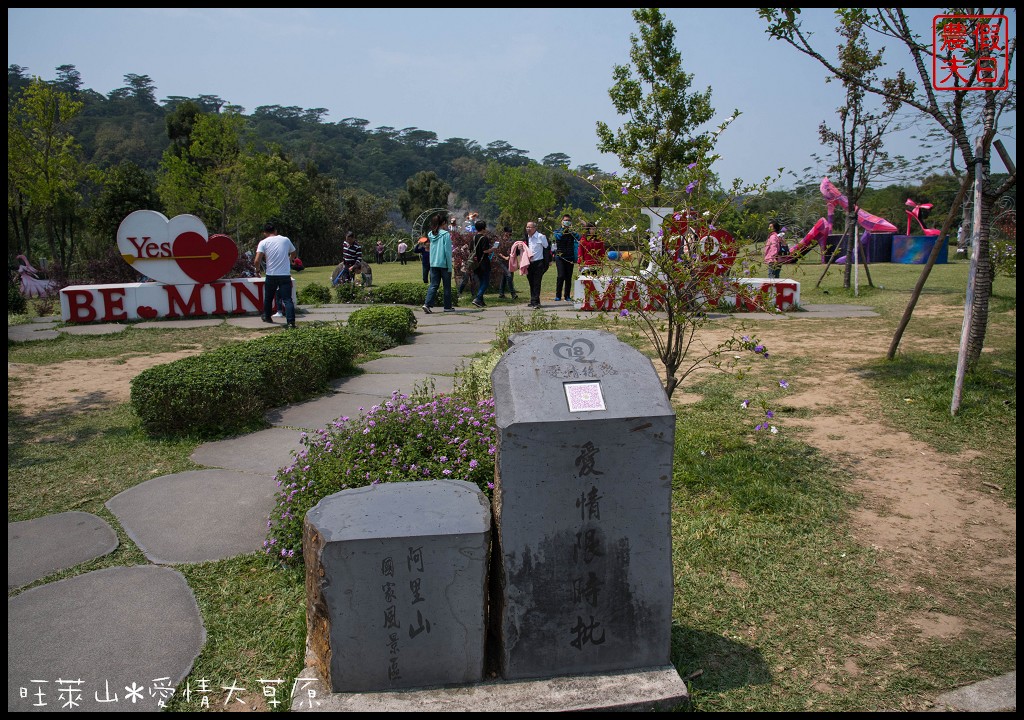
x,y
31,284
915,212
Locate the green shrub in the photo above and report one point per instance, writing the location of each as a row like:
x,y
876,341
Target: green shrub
x,y
349,293
396,321
228,389
396,441
400,293
369,340
16,304
314,294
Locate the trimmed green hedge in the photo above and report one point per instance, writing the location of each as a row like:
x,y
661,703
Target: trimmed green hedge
x,y
314,294
396,321
227,390
396,293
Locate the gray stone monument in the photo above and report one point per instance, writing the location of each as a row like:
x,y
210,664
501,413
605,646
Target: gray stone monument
x,y
396,581
582,507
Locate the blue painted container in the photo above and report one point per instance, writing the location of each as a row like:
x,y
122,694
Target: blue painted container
x,y
915,249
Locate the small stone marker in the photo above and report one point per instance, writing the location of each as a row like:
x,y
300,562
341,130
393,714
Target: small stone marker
x,y
582,507
396,581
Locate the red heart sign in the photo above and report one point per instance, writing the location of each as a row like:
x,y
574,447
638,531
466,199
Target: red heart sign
x,y
204,260
146,312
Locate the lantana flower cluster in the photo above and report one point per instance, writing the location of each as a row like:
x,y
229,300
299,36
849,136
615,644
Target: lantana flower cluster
x,y
396,441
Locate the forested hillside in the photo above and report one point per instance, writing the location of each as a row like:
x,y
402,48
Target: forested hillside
x,y
80,161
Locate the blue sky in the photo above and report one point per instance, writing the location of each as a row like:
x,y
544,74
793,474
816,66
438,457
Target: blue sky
x,y
536,78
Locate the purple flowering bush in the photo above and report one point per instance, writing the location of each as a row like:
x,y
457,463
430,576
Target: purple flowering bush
x,y
400,440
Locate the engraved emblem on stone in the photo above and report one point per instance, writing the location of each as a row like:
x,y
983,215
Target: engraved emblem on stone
x,y
579,350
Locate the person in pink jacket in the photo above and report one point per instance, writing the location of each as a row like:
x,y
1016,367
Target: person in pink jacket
x,y
772,257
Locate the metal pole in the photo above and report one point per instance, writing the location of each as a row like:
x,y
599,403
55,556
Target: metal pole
x,y
856,275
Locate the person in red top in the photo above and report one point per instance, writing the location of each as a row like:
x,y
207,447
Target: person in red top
x,y
591,252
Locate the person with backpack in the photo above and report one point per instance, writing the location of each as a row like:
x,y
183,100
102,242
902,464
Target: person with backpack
x,y
480,256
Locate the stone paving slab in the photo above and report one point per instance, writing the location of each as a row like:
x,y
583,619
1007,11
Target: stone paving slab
x,y
332,309
467,335
996,695
25,333
37,548
101,329
198,515
321,412
638,690
456,326
424,365
179,324
114,628
436,350
263,452
834,311
384,384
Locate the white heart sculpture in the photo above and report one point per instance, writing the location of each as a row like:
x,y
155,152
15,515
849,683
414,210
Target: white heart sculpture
x,y
176,251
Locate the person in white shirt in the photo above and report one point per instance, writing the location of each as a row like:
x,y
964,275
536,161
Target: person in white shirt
x,y
278,252
537,243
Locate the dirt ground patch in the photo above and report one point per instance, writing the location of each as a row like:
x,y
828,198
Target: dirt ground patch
x,y
920,508
78,385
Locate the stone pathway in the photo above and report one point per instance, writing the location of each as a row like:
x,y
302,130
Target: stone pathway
x,y
133,633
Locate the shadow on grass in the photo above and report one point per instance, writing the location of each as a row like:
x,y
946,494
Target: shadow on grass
x,y
713,664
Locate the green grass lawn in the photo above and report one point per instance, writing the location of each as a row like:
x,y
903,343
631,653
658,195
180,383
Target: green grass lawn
x,y
774,598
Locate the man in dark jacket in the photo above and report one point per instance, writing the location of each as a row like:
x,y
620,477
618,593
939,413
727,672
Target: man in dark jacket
x,y
565,258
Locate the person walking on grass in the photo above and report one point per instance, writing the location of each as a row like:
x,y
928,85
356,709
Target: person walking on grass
x,y
565,258
278,252
538,245
504,252
481,254
440,264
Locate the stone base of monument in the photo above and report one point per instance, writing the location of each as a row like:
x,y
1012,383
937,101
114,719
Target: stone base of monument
x,y
646,689
614,294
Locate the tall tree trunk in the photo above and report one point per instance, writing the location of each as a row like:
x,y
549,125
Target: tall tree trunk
x,y
983,279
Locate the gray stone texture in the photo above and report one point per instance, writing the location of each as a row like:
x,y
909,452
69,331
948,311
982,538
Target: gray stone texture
x,y
104,329
111,629
198,515
322,411
998,694
40,547
404,381
426,350
425,365
260,453
582,508
653,689
396,578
